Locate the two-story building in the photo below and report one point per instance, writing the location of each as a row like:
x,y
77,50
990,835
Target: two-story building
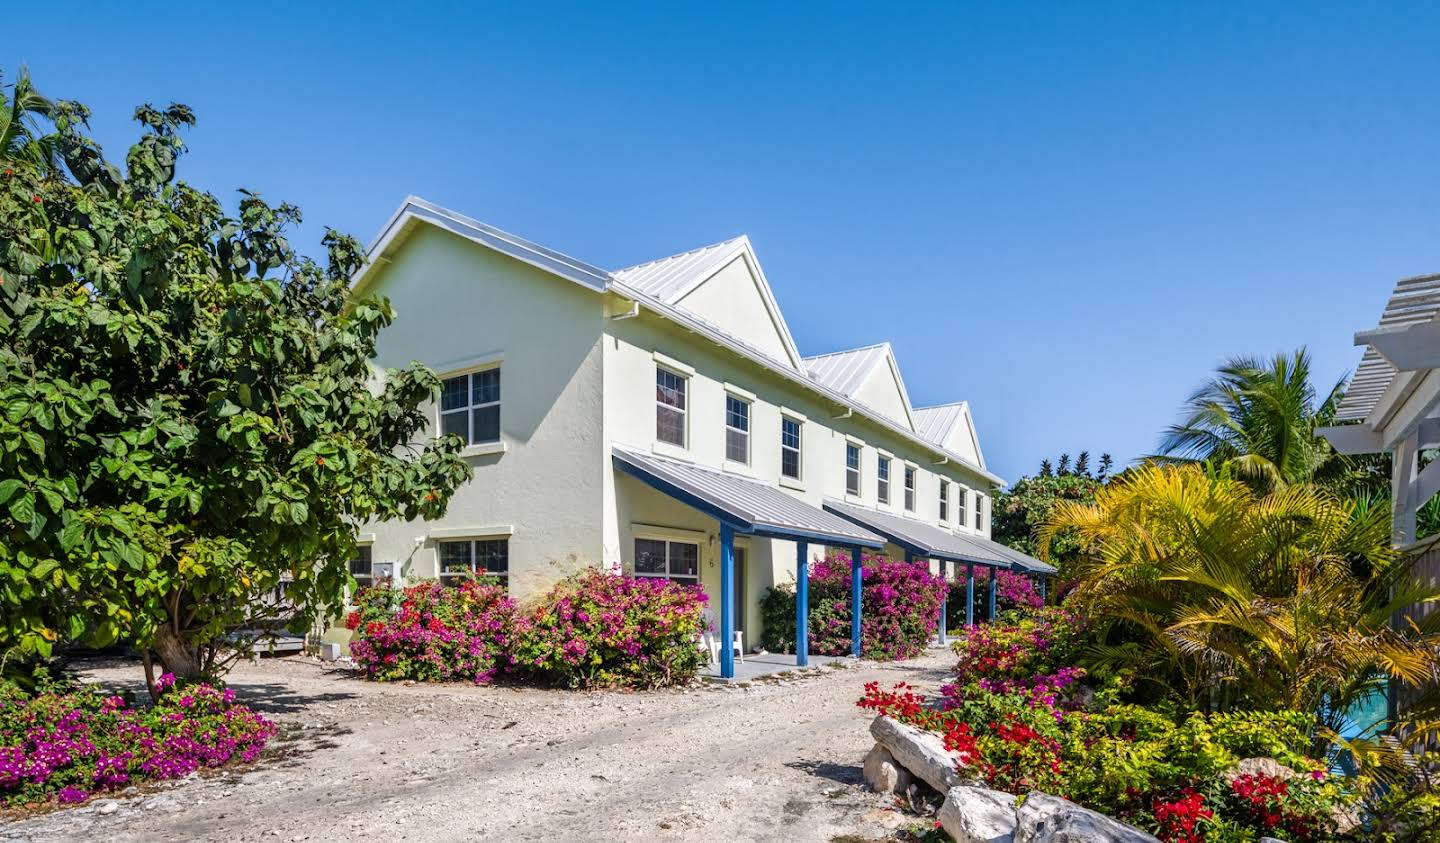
x,y
660,419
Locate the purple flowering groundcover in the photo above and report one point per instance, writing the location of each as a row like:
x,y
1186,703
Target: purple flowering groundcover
x,y
66,744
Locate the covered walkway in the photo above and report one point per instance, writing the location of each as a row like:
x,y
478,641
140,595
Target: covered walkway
x,y
749,507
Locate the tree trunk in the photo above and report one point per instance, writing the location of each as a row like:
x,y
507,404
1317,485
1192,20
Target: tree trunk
x,y
177,655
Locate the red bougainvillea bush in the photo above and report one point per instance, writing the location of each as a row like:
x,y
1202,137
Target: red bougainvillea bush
x,y
599,629
430,632
593,629
899,613
67,744
1015,717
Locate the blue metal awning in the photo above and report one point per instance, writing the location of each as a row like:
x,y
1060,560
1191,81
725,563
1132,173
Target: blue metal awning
x,y
920,538
748,506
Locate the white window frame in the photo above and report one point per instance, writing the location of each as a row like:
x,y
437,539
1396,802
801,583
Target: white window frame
x,y
362,580
979,512
471,444
963,512
944,501
442,576
684,411
799,448
669,537
882,479
853,472
911,479
744,434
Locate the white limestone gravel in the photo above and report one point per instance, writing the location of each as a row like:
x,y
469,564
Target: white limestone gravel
x,y
365,761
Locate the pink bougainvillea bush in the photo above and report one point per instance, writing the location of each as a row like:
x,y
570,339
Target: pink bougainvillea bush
x,y
899,613
433,633
1013,592
599,629
67,744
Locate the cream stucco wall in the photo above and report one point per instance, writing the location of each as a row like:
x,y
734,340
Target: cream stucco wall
x,y
633,348
459,305
881,393
731,300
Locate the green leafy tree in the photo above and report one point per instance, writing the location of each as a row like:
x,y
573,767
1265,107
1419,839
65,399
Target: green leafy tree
x,y
1023,508
189,421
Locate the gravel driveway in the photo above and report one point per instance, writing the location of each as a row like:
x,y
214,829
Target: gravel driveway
x,y
776,760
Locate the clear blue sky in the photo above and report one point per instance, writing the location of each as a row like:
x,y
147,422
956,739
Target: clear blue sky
x,y
1066,215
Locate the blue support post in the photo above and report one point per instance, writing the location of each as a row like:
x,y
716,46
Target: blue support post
x,y
969,596
855,608
991,594
727,601
802,604
944,597
1040,585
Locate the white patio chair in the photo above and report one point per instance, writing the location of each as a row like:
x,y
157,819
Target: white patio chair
x,y
738,644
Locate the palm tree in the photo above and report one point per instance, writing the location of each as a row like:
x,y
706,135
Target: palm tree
x,y
1260,417
21,139
1227,598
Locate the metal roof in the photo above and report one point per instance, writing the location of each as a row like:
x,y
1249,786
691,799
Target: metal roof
x,y
748,505
669,279
937,423
846,371
1415,300
1022,561
918,537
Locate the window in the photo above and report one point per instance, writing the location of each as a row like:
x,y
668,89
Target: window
x,y
882,480
672,560
852,468
960,505
909,488
737,429
470,407
670,406
790,447
461,560
979,512
361,567
945,500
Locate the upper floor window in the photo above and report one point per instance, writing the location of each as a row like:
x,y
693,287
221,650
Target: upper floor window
x,y
852,468
460,560
960,505
673,560
882,480
944,500
909,488
790,447
979,512
362,567
670,406
737,429
470,406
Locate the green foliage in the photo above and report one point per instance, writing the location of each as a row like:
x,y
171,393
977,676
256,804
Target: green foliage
x,y
188,417
1020,511
1209,594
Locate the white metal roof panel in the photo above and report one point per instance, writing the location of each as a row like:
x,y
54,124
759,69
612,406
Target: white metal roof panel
x,y
935,424
668,279
1414,300
928,541
845,371
754,505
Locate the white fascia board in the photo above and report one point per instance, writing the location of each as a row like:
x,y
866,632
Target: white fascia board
x,y
1351,438
1408,347
1409,405
415,209
697,326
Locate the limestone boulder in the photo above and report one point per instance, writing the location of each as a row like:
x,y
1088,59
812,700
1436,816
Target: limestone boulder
x,y
922,753
973,814
1043,818
884,774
